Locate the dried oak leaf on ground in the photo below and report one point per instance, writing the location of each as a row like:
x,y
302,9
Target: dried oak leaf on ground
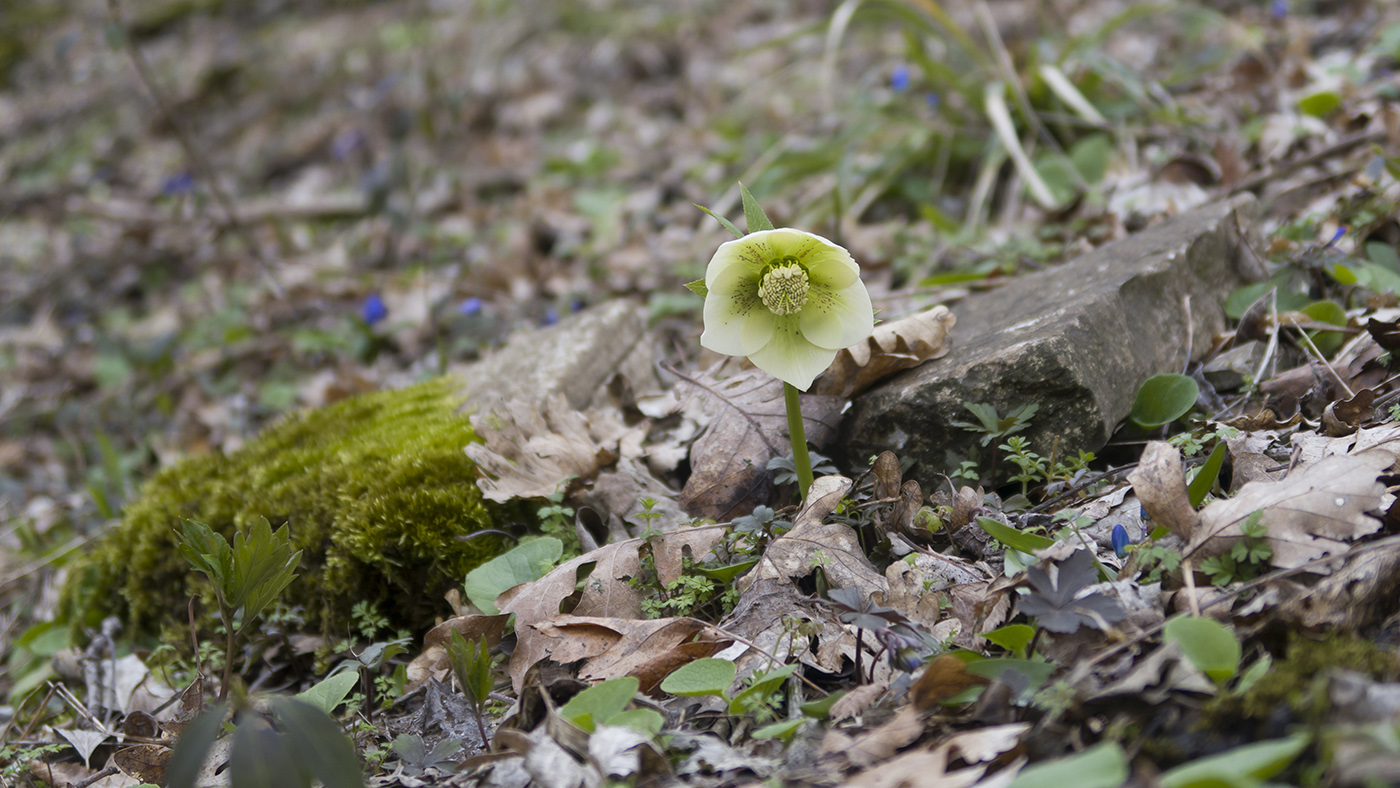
x,y
1314,512
647,649
771,596
606,593
892,347
528,450
746,427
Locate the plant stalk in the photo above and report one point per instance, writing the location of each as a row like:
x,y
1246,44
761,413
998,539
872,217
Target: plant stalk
x,y
798,435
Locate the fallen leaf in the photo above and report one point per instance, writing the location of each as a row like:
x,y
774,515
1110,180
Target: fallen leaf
x,y
919,768
877,744
746,427
945,677
1160,484
892,347
649,649
1313,512
528,451
606,592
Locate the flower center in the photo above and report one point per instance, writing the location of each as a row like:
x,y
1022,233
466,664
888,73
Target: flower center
x,y
784,289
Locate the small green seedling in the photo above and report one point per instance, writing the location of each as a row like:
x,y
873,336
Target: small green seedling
x,y
606,704
472,665
713,676
1162,399
247,575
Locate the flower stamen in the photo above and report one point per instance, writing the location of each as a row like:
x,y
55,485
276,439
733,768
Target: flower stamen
x,y
784,289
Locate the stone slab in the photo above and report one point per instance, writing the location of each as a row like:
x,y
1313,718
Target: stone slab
x,y
1079,339
576,357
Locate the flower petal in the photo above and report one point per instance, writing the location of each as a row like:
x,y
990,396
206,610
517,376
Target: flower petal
x,y
827,263
747,254
790,358
836,319
736,321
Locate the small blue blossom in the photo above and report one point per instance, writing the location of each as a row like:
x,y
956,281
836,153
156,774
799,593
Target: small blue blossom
x,y
1120,540
1279,8
183,183
551,316
1337,236
933,100
576,305
899,80
373,310
470,307
346,143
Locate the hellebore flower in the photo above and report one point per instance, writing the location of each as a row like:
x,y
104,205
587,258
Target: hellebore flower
x,y
787,299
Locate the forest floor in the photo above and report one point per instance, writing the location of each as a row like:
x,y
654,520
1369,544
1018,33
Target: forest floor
x,y
213,214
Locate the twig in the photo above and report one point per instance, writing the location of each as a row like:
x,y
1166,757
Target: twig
x,y
1288,167
196,157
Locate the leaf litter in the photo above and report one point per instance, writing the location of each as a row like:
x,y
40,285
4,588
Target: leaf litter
x,y
523,224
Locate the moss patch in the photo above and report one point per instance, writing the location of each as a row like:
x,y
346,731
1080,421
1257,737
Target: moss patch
x,y
377,493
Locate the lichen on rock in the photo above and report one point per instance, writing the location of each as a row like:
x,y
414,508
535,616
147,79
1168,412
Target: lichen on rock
x,y
377,491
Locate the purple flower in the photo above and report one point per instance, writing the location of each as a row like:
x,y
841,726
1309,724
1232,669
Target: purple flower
x,y
1120,540
469,307
181,183
933,100
373,309
1279,8
899,80
551,316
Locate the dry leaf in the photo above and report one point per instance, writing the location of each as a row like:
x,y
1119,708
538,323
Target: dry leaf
x,y
606,593
433,661
1312,513
945,677
878,744
899,345
647,649
529,450
747,427
1160,484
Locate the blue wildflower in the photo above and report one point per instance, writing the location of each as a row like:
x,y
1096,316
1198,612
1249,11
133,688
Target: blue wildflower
x,y
551,316
933,100
1279,8
373,310
183,183
469,307
1120,540
899,80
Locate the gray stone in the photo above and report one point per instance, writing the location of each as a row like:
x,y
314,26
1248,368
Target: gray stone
x,y
578,357
1078,339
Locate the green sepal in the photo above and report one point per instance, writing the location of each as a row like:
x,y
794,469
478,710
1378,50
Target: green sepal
x,y
753,214
728,225
698,287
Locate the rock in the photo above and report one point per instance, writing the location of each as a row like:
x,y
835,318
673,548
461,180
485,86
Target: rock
x,y
577,357
1078,339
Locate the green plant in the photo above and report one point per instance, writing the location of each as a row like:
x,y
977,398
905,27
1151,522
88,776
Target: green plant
x,y
368,620
1032,465
473,668
996,427
711,676
557,520
1162,399
304,746
1210,645
688,595
1245,559
528,561
607,703
246,576
750,534
15,758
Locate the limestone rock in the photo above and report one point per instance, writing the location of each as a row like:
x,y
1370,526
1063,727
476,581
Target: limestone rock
x,y
577,357
1078,339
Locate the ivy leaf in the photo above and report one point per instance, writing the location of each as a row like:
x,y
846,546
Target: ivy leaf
x,y
1054,605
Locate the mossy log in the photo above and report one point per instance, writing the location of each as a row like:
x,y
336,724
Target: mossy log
x,y
377,493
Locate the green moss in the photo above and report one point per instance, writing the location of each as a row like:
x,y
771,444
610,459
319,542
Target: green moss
x,y
1298,681
377,493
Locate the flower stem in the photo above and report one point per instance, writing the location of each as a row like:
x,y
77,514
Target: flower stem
x,y
799,439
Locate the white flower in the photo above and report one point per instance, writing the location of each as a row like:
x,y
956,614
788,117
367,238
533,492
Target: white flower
x,y
787,299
